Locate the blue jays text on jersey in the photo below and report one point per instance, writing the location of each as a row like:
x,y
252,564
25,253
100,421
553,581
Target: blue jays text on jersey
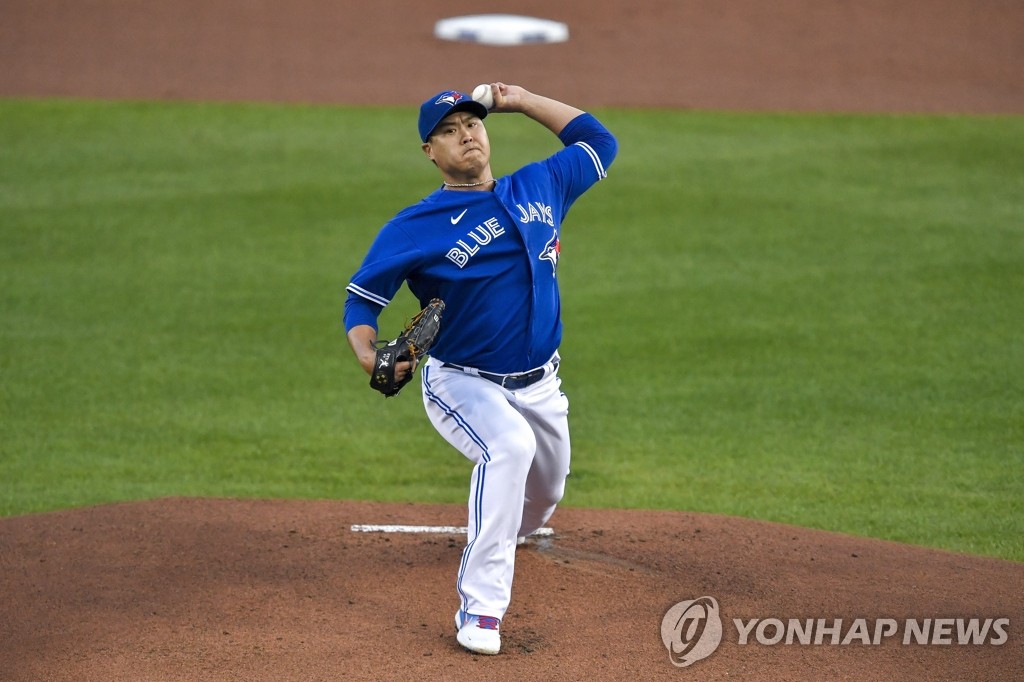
x,y
491,257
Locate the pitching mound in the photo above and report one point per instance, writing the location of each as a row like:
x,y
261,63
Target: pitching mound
x,y
199,589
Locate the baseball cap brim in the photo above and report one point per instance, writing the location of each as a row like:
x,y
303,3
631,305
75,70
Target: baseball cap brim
x,y
444,104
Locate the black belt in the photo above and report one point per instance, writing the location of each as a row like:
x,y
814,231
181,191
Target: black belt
x,y
511,382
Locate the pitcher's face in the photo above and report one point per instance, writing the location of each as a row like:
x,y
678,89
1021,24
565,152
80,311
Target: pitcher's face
x,y
459,145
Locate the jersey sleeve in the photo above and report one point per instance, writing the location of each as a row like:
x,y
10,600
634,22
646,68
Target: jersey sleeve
x,y
590,149
388,263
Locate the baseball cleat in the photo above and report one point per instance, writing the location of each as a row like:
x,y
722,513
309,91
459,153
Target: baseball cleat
x,y
478,633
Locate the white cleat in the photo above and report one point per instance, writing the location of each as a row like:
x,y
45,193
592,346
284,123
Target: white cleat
x,y
478,633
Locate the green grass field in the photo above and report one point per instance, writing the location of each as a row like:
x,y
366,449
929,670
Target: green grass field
x,y
811,319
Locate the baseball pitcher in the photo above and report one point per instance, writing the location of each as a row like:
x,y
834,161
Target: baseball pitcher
x,y
481,254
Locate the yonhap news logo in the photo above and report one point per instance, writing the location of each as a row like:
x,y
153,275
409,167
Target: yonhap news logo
x,y
692,630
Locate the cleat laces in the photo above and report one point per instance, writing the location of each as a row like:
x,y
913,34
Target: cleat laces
x,y
487,623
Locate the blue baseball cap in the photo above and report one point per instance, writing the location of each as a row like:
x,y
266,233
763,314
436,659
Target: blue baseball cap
x,y
444,103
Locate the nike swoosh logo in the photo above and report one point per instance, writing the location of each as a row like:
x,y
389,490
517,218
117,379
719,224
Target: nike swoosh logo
x,y
455,219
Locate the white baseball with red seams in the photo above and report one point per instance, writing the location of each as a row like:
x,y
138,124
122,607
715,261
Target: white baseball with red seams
x,y
482,93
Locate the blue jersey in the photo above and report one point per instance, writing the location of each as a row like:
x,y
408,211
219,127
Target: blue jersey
x,y
492,257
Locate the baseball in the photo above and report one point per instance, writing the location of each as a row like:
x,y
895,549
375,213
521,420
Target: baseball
x,y
482,94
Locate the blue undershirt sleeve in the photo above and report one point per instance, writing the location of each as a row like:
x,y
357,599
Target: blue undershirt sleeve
x,y
360,311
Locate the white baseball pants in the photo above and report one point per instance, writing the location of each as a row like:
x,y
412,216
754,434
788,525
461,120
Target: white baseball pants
x,y
518,442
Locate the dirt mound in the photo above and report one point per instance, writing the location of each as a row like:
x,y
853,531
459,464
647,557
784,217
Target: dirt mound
x,y
190,589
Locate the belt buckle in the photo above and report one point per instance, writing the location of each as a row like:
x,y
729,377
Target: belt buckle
x,y
523,379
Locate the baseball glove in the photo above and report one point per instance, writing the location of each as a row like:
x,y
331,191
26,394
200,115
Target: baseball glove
x,y
411,345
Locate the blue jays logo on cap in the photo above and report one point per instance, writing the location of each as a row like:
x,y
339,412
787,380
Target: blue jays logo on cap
x,y
443,104
451,98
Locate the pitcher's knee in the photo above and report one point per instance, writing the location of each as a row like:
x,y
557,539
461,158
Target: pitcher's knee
x,y
515,449
548,496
